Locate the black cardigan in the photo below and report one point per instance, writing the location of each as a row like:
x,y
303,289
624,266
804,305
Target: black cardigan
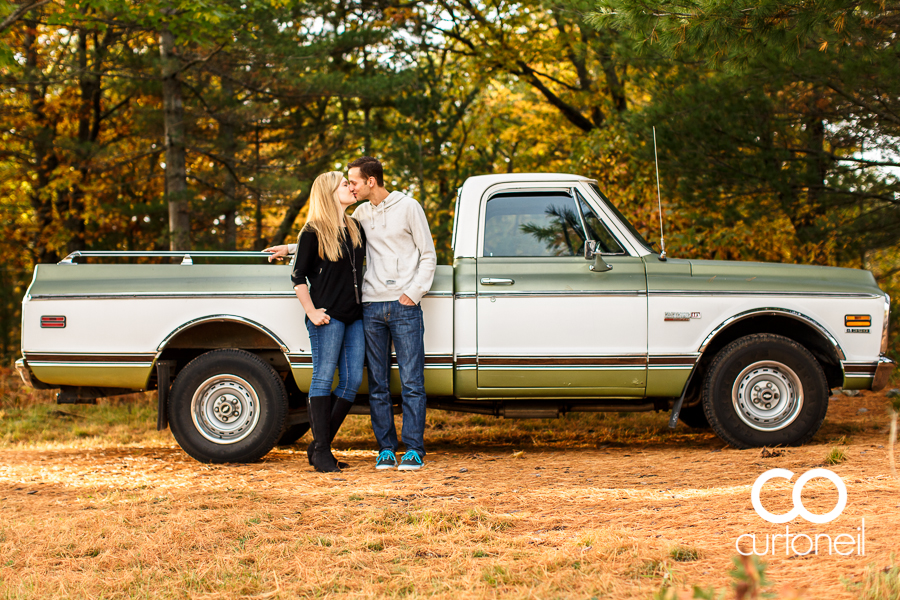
x,y
331,282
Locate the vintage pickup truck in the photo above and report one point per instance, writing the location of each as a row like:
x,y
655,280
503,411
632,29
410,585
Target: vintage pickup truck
x,y
554,303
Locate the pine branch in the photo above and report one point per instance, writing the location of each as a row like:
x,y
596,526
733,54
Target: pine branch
x,y
19,13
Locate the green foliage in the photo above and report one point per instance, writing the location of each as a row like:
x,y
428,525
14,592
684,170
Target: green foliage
x,y
749,581
878,583
778,136
836,456
767,127
684,554
124,421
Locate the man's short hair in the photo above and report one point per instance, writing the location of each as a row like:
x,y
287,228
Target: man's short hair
x,y
369,167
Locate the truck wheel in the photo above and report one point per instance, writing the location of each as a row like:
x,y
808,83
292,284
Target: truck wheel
x,y
293,433
765,390
227,406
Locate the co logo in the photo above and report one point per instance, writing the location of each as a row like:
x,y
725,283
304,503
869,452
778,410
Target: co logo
x,y
799,509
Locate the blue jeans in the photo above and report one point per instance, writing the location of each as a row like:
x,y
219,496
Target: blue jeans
x,y
336,346
404,325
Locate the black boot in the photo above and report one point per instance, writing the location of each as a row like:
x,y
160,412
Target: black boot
x,y
319,423
340,408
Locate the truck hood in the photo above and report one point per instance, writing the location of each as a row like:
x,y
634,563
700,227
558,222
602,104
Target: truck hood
x,y
777,277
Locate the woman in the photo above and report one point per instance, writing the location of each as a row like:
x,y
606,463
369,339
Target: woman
x,y
327,279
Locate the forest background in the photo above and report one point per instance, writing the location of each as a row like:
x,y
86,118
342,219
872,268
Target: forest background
x,y
200,124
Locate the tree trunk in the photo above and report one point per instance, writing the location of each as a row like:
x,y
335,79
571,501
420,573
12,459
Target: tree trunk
x,y
229,150
294,208
44,158
807,217
71,202
176,172
258,242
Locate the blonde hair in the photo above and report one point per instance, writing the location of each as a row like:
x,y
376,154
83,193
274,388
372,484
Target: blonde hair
x,y
326,217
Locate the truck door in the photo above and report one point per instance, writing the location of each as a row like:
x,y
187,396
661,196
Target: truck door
x,y
547,323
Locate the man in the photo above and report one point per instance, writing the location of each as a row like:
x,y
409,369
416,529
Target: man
x,y
400,265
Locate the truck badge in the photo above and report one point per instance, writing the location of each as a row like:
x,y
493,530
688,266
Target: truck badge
x,y
681,316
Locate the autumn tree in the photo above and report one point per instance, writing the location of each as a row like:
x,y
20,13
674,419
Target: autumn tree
x,y
779,114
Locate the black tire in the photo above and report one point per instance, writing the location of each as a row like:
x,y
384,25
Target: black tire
x,y
694,417
227,406
293,433
765,390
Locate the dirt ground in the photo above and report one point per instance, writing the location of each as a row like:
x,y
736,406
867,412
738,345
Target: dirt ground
x,y
498,511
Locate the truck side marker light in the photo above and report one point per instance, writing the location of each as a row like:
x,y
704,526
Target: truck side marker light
x,y
53,321
857,320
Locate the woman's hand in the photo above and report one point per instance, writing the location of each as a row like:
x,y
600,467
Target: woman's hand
x,y
278,252
318,317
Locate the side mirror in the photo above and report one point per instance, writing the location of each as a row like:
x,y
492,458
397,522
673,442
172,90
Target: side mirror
x,y
600,265
590,253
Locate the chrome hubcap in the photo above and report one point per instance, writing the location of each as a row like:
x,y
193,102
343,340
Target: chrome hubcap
x,y
767,396
225,409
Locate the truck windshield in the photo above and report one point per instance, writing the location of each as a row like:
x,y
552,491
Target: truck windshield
x,y
634,232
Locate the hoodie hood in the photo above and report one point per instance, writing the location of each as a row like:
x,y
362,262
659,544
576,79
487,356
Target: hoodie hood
x,y
392,199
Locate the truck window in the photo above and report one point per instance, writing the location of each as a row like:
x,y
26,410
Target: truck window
x,y
534,224
596,230
621,217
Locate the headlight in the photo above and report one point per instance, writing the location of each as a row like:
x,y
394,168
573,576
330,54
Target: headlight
x,y
887,320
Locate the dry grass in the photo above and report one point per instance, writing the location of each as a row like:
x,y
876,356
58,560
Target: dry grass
x,y
611,506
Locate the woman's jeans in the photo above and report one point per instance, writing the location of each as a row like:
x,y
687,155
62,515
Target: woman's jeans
x,y
405,326
340,346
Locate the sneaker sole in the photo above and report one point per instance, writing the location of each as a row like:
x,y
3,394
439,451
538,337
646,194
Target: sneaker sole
x,y
409,467
384,467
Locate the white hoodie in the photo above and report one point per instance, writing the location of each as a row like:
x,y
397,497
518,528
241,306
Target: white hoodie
x,y
400,257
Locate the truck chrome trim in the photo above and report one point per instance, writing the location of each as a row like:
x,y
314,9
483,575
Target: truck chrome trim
x,y
762,293
184,295
184,255
160,295
637,359
680,361
129,360
222,318
882,373
24,372
859,369
887,322
549,294
660,361
561,367
774,311
432,361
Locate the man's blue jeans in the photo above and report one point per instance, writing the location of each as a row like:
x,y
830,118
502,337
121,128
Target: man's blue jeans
x,y
336,346
404,325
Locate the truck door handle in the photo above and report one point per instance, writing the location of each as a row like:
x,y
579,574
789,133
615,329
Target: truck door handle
x,y
493,281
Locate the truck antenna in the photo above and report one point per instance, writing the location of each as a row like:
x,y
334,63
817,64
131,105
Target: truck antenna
x,y
662,237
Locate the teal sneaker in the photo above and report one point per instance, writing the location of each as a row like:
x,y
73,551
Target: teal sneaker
x,y
410,461
386,460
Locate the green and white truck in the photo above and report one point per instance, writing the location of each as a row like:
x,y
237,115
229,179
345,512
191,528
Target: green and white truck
x,y
554,303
